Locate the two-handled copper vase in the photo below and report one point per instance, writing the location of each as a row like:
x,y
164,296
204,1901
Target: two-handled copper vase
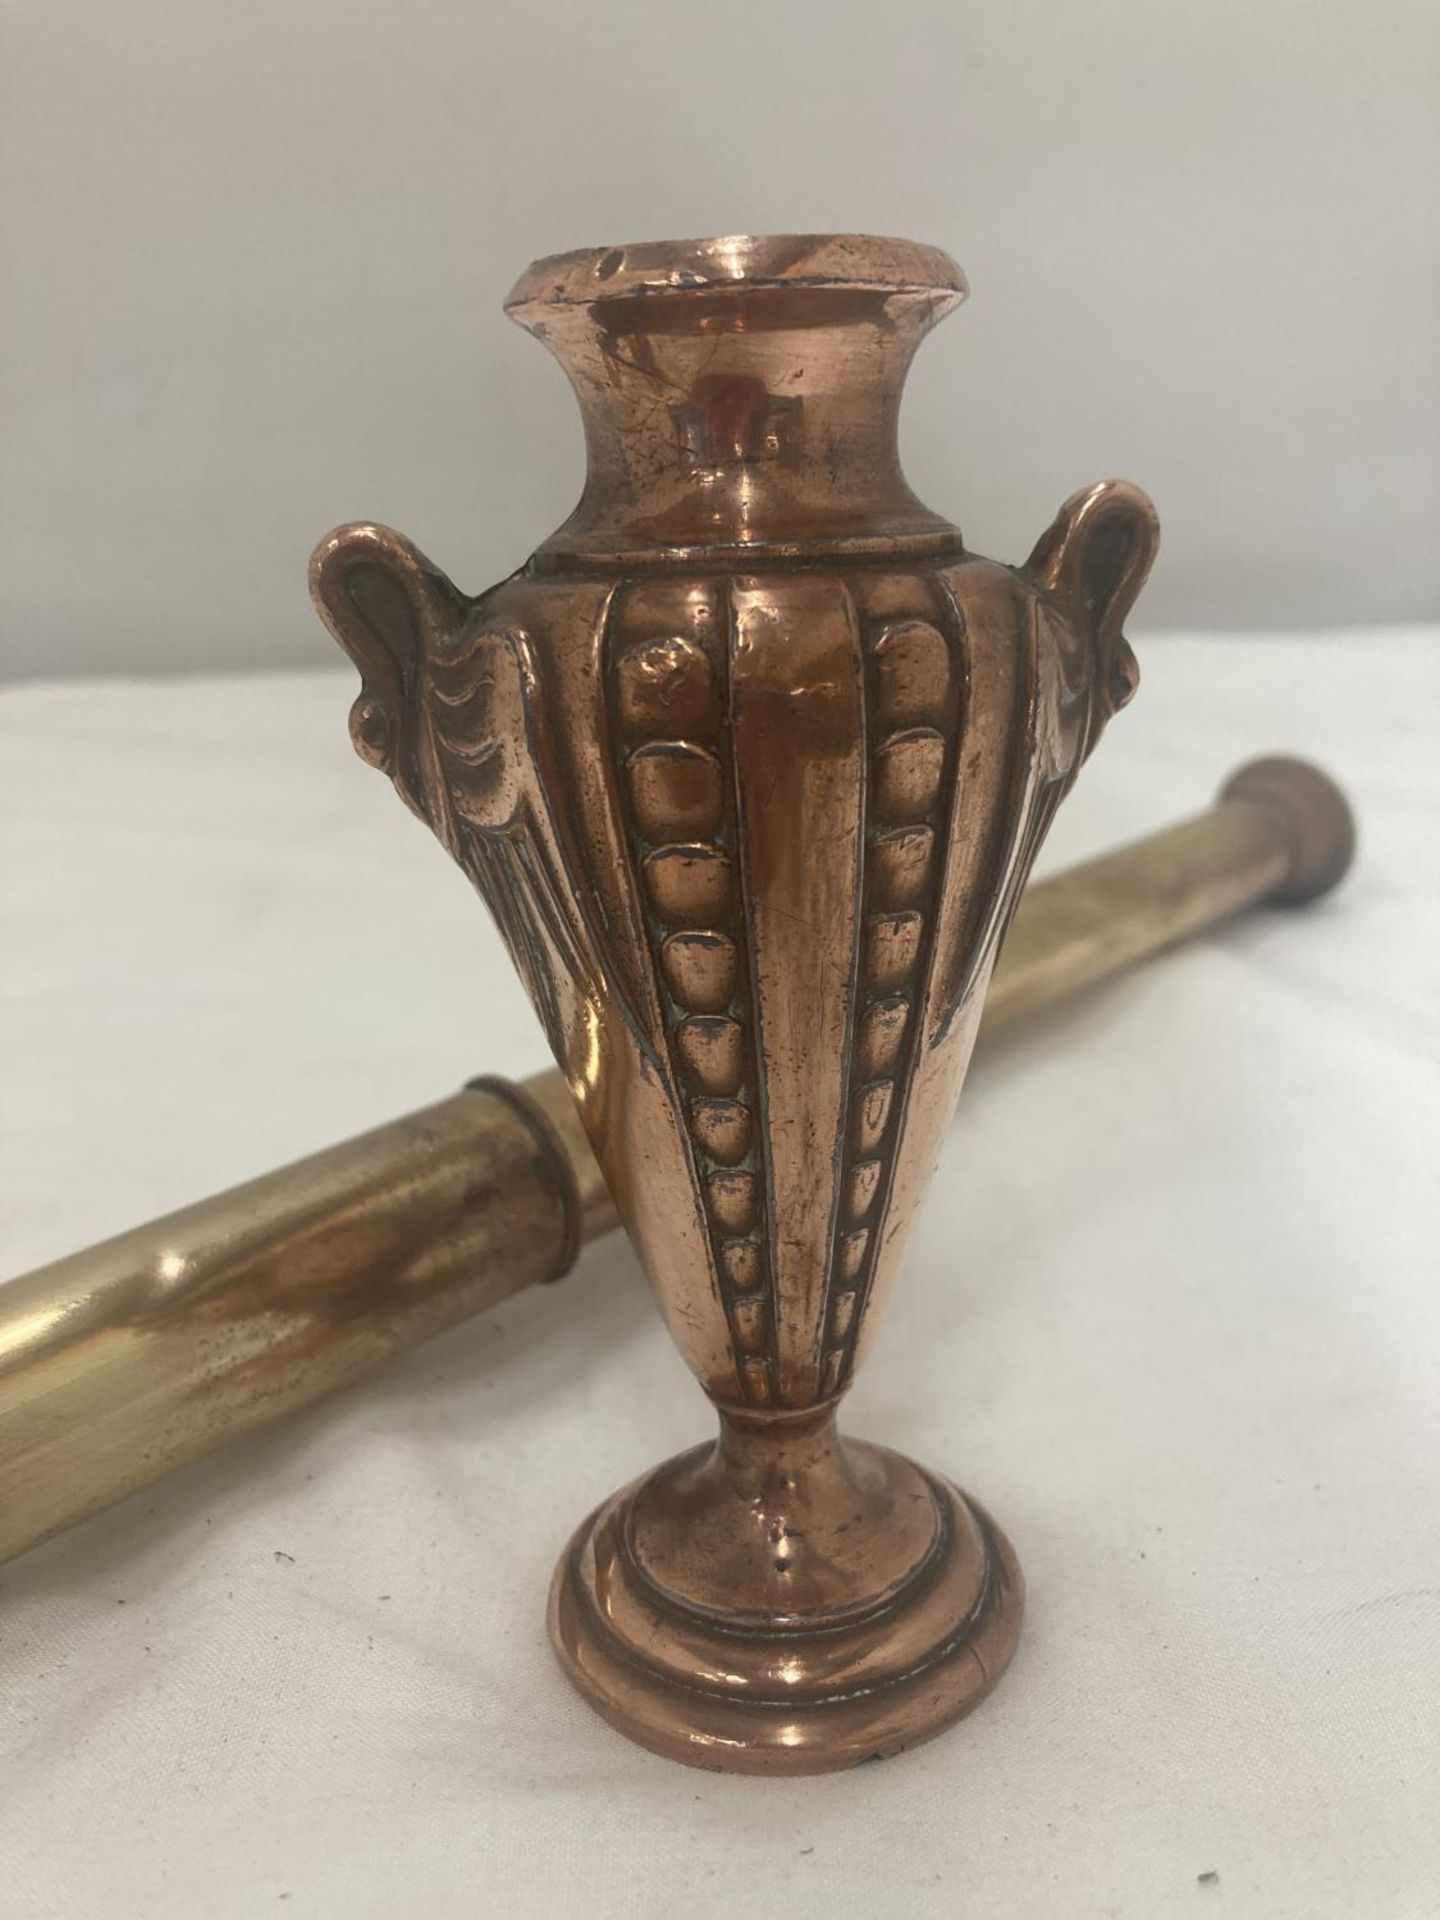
x,y
750,762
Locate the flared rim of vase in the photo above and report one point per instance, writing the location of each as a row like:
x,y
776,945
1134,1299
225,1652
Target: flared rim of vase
x,y
855,262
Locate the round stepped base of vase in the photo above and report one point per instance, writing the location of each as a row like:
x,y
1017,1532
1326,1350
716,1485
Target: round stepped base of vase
x,y
793,1608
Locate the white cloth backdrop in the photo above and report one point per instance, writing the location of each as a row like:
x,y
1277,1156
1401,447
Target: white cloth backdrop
x,y
1174,1313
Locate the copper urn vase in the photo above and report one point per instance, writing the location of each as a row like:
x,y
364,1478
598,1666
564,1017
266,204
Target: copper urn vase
x,y
750,762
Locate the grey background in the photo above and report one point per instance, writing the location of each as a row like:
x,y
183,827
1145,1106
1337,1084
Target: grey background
x,y
255,256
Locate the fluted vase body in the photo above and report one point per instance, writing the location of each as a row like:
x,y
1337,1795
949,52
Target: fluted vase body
x,y
750,762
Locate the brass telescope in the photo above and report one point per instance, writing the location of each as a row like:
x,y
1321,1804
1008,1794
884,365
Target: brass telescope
x,y
130,1358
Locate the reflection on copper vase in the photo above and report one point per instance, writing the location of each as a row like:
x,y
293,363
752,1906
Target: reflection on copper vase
x,y
750,762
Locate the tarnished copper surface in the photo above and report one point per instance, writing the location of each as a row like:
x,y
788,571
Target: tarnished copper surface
x,y
750,762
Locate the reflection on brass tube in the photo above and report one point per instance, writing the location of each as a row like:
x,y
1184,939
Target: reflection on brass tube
x,y
128,1359
1281,831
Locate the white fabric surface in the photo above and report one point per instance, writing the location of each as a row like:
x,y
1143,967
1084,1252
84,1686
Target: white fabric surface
x,y
1173,1313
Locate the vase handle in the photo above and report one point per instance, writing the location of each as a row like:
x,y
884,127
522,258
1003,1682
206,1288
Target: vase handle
x,y
1094,559
394,612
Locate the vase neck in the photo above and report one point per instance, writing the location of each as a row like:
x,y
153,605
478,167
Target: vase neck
x,y
754,412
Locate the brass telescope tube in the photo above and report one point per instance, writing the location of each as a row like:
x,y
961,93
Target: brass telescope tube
x,y
130,1358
